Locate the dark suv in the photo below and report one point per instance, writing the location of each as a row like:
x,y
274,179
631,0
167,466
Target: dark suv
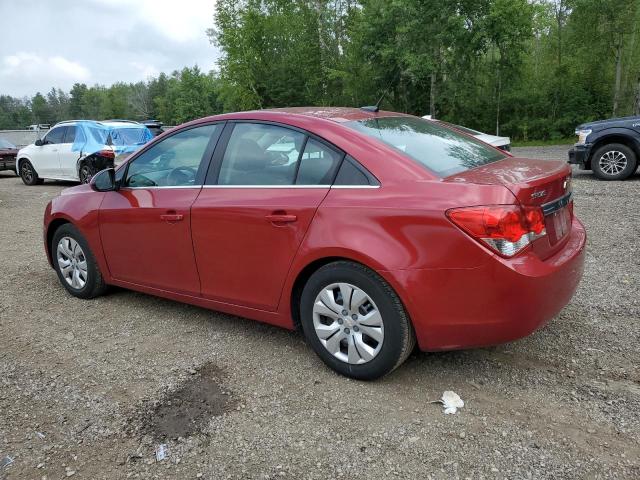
x,y
610,148
8,154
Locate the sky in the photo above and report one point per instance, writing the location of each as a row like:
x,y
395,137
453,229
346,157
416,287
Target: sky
x,y
56,43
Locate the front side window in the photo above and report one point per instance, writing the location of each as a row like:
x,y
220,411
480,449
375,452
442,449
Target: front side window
x,y
261,154
442,150
173,161
55,136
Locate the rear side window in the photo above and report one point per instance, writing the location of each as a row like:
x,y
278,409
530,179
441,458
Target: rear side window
x,y
261,154
353,174
318,164
440,149
55,136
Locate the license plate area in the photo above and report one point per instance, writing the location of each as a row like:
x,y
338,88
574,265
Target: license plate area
x,y
558,224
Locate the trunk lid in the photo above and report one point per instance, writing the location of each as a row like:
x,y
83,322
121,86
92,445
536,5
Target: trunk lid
x,y
542,183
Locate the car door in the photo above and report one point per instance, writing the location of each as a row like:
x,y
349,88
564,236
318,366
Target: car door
x,y
68,159
145,226
45,158
255,208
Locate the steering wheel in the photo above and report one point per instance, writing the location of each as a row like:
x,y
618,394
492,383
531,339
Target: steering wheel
x,y
181,176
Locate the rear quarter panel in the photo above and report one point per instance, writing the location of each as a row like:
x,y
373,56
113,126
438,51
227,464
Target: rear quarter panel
x,y
394,229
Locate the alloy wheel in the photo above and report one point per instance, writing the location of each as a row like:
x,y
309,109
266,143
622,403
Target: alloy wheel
x,y
613,162
348,323
26,172
72,263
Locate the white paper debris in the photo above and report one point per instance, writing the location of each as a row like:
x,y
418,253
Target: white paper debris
x,y
451,402
161,452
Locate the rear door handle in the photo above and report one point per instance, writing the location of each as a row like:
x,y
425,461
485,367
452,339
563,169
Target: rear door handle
x,y
172,217
281,218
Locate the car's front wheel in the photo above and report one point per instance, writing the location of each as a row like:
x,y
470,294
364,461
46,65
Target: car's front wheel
x,y
75,264
614,162
28,174
354,321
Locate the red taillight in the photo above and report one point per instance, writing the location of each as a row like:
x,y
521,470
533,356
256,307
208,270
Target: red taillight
x,y
507,229
107,154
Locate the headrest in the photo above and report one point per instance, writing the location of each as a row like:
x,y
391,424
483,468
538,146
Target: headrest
x,y
249,156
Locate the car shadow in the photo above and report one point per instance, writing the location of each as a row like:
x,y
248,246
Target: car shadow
x,y
421,368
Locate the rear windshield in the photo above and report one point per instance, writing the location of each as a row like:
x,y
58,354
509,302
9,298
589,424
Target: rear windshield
x,y
128,136
440,149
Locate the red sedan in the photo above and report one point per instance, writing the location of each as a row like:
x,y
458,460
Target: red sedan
x,y
368,230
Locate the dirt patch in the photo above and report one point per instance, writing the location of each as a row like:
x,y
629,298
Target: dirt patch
x,y
186,410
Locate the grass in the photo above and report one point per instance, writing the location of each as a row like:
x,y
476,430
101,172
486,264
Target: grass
x,y
541,143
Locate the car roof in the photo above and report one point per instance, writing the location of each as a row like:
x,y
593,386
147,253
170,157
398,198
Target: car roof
x,y
107,123
335,114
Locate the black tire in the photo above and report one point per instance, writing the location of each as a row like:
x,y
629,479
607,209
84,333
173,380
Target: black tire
x,y
613,150
94,284
85,173
28,174
399,338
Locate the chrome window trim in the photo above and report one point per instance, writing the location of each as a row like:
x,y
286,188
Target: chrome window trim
x,y
162,187
266,186
289,186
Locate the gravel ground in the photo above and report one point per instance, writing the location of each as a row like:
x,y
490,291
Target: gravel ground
x,y
89,389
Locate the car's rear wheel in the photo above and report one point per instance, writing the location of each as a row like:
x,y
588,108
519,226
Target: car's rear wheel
x,y
85,173
75,264
614,162
354,321
28,174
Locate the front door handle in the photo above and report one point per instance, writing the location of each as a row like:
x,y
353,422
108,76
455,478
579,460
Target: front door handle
x,y
281,218
172,217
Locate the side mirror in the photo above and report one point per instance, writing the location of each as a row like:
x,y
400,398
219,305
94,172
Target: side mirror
x,y
104,181
39,143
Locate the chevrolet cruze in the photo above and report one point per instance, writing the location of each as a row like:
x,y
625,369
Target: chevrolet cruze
x,y
370,231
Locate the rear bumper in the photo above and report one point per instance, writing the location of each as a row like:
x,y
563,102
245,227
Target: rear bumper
x,y
579,155
499,301
99,163
8,163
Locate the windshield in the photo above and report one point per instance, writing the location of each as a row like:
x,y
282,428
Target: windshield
x,y
440,149
6,144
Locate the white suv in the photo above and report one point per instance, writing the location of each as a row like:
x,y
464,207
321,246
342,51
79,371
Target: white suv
x,y
76,150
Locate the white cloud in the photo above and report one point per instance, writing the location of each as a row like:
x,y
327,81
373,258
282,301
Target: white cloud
x,y
71,69
147,71
56,69
180,21
57,43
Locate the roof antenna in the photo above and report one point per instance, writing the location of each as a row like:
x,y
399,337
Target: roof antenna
x,y
376,108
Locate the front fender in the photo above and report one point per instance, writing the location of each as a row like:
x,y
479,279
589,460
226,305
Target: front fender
x,y
630,134
79,206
